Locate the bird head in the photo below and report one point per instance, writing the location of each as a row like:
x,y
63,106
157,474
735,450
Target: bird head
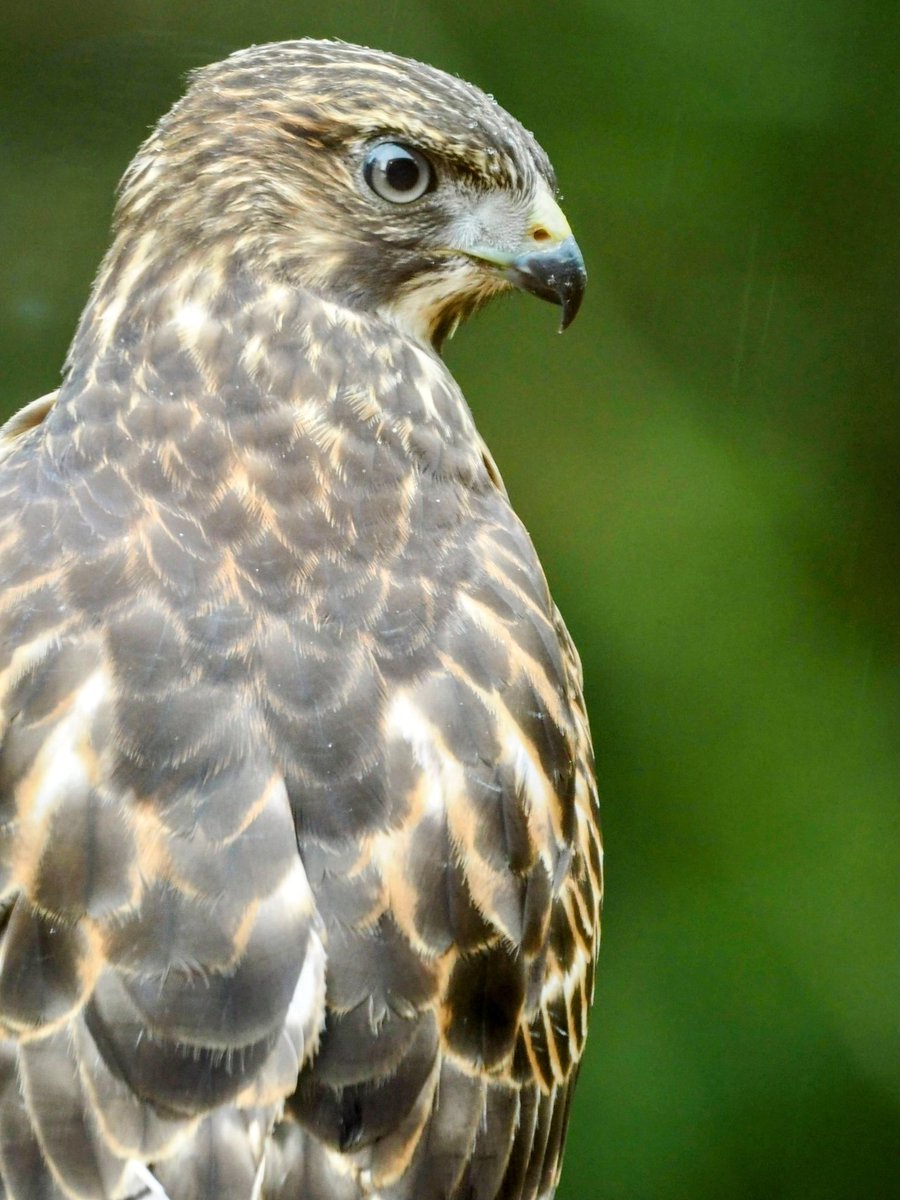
x,y
380,183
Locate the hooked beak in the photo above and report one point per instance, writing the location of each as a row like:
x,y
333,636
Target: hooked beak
x,y
548,264
556,274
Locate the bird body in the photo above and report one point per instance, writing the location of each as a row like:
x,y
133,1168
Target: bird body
x,y
300,859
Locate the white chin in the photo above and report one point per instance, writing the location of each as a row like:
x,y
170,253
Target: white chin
x,y
424,306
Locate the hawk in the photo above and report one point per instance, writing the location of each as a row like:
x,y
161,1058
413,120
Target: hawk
x,y
300,859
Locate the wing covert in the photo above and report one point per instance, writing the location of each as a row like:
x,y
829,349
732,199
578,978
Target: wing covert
x,y
161,951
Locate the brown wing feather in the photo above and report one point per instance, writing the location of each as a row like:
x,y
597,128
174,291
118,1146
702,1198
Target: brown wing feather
x,y
22,422
254,719
160,949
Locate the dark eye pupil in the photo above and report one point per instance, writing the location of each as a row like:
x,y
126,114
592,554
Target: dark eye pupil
x,y
398,173
402,173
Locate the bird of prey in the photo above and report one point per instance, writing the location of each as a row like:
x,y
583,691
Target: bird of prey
x,y
299,850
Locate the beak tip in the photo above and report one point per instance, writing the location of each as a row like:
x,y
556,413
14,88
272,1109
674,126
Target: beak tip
x,y
570,305
557,275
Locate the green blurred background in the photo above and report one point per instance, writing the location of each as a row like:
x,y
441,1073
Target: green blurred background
x,y
707,464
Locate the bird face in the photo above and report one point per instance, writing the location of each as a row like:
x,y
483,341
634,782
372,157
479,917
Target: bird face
x,y
474,240
385,185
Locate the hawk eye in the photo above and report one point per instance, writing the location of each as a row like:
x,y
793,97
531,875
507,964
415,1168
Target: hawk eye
x,y
398,173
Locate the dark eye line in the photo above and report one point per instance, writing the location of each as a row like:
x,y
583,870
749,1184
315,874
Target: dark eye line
x,y
311,131
308,128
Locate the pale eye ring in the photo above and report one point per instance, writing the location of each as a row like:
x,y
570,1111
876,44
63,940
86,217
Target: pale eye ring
x,y
398,173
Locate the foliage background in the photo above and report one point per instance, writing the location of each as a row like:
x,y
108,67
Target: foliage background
x,y
706,462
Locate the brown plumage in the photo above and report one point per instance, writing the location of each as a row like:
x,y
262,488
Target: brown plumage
x,y
300,858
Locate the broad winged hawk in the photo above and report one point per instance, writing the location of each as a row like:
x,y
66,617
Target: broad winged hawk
x,y
300,861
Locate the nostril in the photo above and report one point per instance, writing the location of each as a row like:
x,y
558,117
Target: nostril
x,y
540,234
